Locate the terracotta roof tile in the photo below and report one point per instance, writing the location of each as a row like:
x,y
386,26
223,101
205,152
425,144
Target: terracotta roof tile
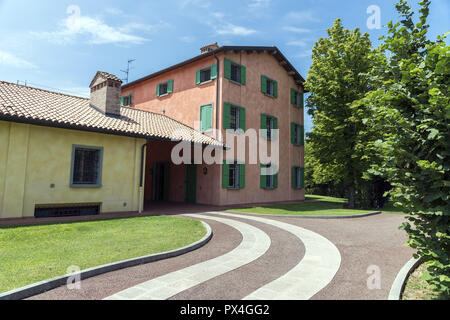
x,y
38,106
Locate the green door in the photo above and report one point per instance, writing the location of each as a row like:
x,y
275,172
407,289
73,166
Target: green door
x,y
191,184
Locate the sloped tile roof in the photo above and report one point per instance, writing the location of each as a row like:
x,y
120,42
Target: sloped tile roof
x,y
37,106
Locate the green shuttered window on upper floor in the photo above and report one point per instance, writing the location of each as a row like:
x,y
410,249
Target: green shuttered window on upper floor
x,y
297,134
269,86
269,126
233,117
164,88
233,175
235,72
206,74
126,100
297,98
298,178
206,113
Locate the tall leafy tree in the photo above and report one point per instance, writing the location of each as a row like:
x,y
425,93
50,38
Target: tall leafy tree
x,y
338,77
412,108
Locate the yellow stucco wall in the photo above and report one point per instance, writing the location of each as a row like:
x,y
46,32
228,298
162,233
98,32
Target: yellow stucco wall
x,y
34,157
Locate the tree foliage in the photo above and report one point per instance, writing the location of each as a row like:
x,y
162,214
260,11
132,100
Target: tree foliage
x,y
411,107
338,143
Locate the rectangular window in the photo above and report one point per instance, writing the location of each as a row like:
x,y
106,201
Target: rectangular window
x,y
126,101
86,166
269,88
297,134
163,89
234,176
269,176
206,74
234,71
234,117
298,177
270,126
297,98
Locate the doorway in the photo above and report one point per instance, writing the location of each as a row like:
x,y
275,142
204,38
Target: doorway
x,y
191,184
161,181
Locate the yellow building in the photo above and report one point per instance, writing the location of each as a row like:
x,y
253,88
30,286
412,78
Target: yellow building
x,y
62,155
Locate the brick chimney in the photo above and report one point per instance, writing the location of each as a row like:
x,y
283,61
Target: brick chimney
x,y
209,48
106,93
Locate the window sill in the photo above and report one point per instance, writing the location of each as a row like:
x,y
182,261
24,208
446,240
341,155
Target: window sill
x,y
85,185
268,95
205,82
164,95
233,189
235,82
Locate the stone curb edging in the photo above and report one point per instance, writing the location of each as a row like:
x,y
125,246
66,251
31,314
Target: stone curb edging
x,y
400,280
309,217
46,285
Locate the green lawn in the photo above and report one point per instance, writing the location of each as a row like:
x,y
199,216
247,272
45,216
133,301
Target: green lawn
x,y
322,206
35,253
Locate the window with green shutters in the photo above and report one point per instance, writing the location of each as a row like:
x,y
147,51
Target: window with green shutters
x,y
269,87
269,126
235,72
298,178
297,98
164,88
206,74
126,101
233,117
233,175
206,117
268,177
297,134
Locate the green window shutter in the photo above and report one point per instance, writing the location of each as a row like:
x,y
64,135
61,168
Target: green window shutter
x,y
157,90
275,89
263,126
121,101
206,118
302,178
293,92
227,68
263,180
243,75
214,71
225,175
275,181
302,135
197,77
293,132
242,118
226,115
302,100
275,126
294,178
170,86
263,84
242,176
130,99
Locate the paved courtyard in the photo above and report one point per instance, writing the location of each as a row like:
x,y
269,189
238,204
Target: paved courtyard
x,y
260,257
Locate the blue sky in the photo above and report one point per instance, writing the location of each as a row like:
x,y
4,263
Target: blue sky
x,y
61,44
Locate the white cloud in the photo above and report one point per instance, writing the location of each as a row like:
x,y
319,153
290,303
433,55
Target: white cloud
x,y
10,60
93,29
297,43
304,54
187,39
259,3
296,30
301,16
231,29
198,3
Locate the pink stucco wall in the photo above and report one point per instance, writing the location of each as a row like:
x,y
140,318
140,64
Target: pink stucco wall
x,y
184,105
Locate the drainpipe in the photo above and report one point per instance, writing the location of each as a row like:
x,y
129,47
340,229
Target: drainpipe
x,y
217,95
141,177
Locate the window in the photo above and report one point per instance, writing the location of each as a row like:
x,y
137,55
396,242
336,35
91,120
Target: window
x,y
298,178
296,98
164,88
269,176
126,101
297,134
86,166
206,74
269,87
233,175
234,72
268,126
206,118
233,117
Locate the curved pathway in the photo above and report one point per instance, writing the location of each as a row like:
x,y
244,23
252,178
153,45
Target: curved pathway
x,y
254,244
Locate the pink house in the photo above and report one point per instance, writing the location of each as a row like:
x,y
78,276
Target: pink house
x,y
229,87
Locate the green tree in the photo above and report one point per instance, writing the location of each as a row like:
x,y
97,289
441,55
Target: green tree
x,y
339,139
412,109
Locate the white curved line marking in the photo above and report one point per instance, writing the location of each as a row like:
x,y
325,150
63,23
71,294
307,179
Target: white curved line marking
x,y
254,244
313,273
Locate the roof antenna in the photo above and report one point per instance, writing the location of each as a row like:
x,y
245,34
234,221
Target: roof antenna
x,y
127,72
